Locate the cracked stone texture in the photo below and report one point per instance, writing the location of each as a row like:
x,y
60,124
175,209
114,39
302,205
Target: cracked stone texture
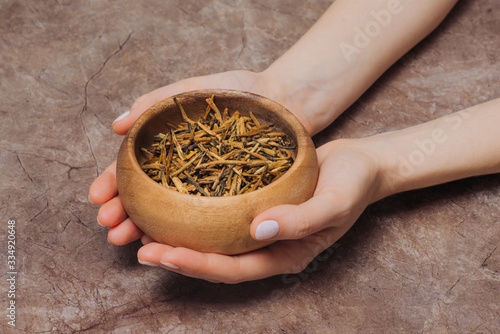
x,y
425,261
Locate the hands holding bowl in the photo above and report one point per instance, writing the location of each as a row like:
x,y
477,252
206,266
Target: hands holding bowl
x,y
308,228
315,82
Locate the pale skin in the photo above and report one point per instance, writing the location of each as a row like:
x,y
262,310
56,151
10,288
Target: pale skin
x,y
317,82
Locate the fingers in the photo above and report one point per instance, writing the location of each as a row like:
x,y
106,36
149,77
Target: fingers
x,y
123,230
104,186
111,213
124,233
208,266
146,239
297,221
290,256
151,252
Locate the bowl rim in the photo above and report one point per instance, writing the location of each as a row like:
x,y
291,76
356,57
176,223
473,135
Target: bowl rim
x,y
303,141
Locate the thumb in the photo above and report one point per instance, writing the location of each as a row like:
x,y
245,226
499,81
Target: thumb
x,y
298,221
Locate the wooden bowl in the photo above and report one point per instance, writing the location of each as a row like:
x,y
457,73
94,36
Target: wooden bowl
x,y
210,224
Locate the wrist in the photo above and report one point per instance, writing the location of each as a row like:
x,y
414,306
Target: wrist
x,y
459,145
402,165
356,160
315,102
381,148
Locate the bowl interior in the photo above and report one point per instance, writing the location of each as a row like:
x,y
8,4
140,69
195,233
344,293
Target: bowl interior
x,y
155,120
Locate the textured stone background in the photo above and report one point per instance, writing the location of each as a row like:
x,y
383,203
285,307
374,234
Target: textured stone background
x,y
426,261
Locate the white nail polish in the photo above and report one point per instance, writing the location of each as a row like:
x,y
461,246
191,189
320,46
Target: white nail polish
x,y
170,265
147,263
267,229
122,116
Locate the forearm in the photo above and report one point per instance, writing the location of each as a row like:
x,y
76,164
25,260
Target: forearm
x,y
349,47
460,145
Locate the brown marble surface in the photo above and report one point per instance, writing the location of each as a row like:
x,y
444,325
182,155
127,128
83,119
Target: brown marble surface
x,y
426,261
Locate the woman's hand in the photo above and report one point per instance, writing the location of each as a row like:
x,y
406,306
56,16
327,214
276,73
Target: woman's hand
x,y
348,181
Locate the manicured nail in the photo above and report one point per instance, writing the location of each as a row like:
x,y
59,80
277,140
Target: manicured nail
x,y
122,116
267,229
147,263
170,265
98,222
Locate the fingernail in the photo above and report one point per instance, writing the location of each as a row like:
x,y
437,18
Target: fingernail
x,y
98,222
267,229
170,265
122,116
147,263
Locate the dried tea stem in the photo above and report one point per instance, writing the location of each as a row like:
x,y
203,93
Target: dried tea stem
x,y
218,155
